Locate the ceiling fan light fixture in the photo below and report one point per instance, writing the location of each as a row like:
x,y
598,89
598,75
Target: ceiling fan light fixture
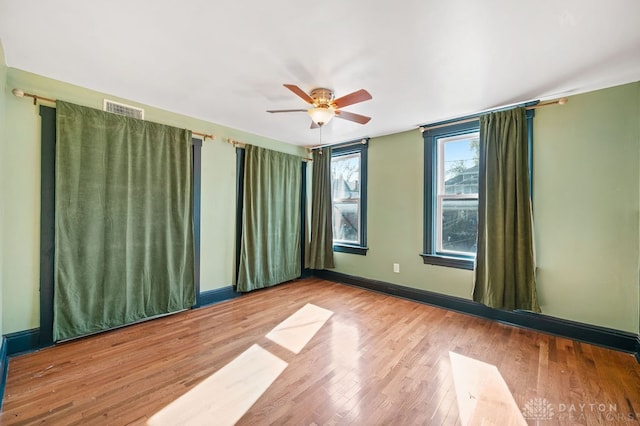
x,y
325,107
321,115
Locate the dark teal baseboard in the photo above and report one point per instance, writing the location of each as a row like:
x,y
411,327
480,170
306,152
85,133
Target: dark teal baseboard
x,y
216,296
601,336
4,367
23,341
15,344
29,340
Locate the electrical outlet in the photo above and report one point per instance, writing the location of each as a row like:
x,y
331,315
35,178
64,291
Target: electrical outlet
x,y
396,268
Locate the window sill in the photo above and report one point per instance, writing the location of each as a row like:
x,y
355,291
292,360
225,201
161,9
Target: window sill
x,y
346,248
451,262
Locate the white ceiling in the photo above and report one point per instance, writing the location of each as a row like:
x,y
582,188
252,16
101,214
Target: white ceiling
x,y
225,61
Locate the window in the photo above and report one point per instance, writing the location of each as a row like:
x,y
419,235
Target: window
x,y
349,195
451,160
452,156
457,194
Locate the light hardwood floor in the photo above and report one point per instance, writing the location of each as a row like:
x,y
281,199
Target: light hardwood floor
x,y
378,360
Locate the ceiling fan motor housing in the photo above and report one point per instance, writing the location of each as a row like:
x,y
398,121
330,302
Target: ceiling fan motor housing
x,y
321,96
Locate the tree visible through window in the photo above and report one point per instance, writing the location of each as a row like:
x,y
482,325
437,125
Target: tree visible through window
x,y
349,194
345,186
457,198
451,171
451,184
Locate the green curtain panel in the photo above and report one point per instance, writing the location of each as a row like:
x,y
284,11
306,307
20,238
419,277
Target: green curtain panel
x,y
270,245
320,253
505,264
124,247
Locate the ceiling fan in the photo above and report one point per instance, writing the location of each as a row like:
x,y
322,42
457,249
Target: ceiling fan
x,y
325,107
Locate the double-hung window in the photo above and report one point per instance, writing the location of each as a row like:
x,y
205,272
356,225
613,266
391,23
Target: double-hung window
x,y
457,194
451,194
451,172
349,197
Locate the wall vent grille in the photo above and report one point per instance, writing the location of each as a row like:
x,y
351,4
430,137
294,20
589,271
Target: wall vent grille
x,y
122,109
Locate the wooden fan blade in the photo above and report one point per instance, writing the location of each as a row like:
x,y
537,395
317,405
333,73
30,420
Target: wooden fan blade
x,y
301,93
352,98
314,125
362,119
286,110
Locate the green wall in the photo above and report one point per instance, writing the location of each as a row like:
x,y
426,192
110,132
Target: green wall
x,y
394,221
21,192
3,141
586,201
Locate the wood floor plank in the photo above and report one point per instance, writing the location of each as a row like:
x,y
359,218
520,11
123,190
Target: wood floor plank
x,y
377,360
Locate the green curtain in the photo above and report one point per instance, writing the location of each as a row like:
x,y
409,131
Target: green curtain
x,y
124,247
505,264
320,253
270,245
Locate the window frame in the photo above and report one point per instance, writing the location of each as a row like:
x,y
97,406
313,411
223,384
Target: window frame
x,y
430,254
441,196
431,134
350,148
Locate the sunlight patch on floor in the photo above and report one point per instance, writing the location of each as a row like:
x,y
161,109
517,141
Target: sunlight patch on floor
x,y
224,397
297,330
483,396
